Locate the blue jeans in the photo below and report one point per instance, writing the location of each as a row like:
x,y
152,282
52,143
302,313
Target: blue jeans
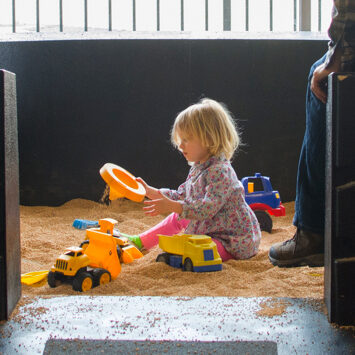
x,y
310,188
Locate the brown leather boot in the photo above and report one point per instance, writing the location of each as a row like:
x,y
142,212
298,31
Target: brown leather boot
x,y
305,248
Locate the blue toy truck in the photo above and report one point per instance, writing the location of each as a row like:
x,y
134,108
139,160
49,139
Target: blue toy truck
x,y
262,199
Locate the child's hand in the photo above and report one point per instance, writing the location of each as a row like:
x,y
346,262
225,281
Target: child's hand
x,y
161,205
151,192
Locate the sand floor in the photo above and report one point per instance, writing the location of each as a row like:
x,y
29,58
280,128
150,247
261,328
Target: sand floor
x,y
47,231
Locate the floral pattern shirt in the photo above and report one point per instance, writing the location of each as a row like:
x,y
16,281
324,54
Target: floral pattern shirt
x,y
213,201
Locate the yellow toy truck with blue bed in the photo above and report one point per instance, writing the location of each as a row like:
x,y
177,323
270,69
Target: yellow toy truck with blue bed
x,y
190,252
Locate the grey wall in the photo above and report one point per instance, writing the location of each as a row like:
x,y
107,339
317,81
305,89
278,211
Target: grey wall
x,y
84,103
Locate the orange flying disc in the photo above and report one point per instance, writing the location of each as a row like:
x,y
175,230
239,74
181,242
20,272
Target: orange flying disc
x,y
122,183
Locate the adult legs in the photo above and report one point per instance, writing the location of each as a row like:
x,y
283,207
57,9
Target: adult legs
x,y
307,246
310,187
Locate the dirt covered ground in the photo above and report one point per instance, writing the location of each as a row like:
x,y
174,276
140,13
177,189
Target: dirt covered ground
x,y
47,231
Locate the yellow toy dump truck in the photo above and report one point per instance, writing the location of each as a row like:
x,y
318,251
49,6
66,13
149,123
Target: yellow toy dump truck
x,y
190,252
96,263
74,266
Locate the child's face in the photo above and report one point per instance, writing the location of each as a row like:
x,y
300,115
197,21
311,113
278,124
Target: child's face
x,y
192,149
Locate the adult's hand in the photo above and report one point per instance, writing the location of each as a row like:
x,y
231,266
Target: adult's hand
x,y
319,81
320,76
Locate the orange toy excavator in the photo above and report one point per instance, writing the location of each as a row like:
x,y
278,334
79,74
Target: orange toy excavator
x,y
102,250
106,250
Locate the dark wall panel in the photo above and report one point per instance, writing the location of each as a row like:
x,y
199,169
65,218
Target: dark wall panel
x,y
84,103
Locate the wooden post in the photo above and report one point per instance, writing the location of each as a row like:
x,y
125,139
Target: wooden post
x,y
10,253
339,285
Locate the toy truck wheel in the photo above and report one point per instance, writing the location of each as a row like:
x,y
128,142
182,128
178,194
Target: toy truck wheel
x,y
101,277
82,282
163,257
264,220
52,280
188,266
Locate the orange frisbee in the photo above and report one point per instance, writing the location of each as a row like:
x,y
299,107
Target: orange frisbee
x,y
122,183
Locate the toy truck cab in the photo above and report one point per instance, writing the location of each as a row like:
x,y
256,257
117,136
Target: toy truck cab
x,y
196,253
262,199
74,266
71,261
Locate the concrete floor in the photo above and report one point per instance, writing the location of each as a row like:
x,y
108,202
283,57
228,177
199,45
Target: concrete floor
x,y
302,328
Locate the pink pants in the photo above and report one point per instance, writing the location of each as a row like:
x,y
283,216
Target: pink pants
x,y
172,225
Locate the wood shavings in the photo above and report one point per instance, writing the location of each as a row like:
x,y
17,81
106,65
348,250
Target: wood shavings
x,y
272,308
47,231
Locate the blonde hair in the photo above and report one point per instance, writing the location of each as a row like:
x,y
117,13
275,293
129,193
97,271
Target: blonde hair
x,y
211,123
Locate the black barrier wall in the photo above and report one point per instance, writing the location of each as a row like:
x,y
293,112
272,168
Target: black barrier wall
x,y
82,103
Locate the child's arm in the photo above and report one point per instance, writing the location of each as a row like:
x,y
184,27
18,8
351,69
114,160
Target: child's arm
x,y
151,192
162,205
163,200
176,195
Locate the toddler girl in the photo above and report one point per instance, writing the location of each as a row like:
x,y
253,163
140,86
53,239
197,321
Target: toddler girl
x,y
211,200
